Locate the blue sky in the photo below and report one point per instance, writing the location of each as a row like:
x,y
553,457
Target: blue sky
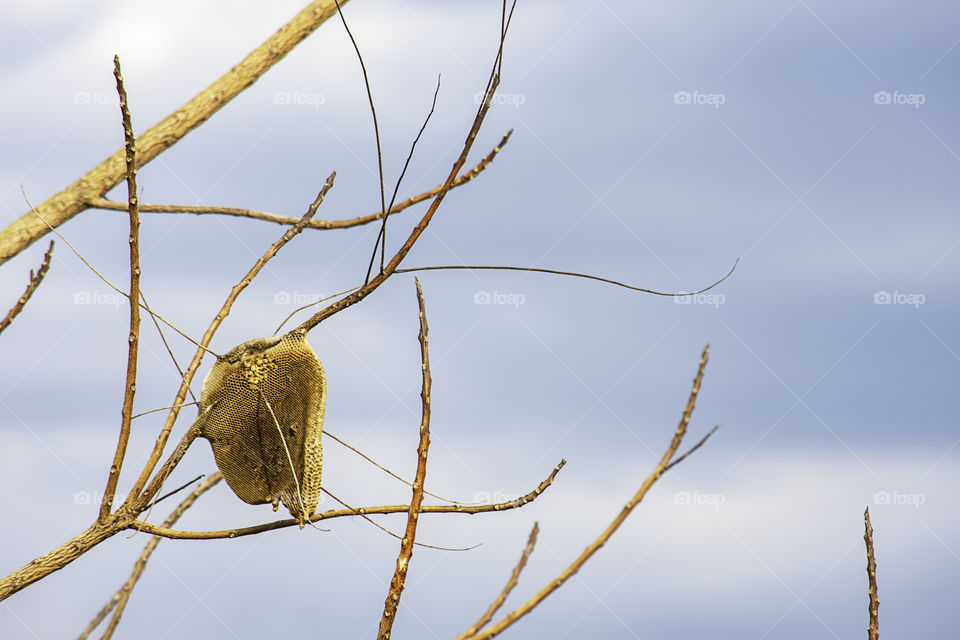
x,y
653,144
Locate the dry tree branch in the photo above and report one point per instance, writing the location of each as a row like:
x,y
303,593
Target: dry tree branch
x,y
35,280
406,545
133,338
511,583
94,184
492,83
467,176
873,631
102,203
146,527
120,598
628,508
54,560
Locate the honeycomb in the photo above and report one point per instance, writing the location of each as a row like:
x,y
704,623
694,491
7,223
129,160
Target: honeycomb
x,y
261,409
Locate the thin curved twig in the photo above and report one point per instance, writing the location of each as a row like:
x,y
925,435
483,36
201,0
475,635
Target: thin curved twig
x,y
166,532
571,274
35,280
628,508
399,579
376,125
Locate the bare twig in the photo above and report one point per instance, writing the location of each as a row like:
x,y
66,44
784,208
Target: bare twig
x,y
465,177
73,199
628,508
35,280
341,513
572,274
173,492
133,338
398,581
511,583
702,441
119,600
873,631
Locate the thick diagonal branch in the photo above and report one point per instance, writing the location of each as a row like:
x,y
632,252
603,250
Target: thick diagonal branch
x,y
75,198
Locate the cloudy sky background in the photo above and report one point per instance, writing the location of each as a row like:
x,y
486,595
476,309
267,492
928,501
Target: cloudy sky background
x,y
653,144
